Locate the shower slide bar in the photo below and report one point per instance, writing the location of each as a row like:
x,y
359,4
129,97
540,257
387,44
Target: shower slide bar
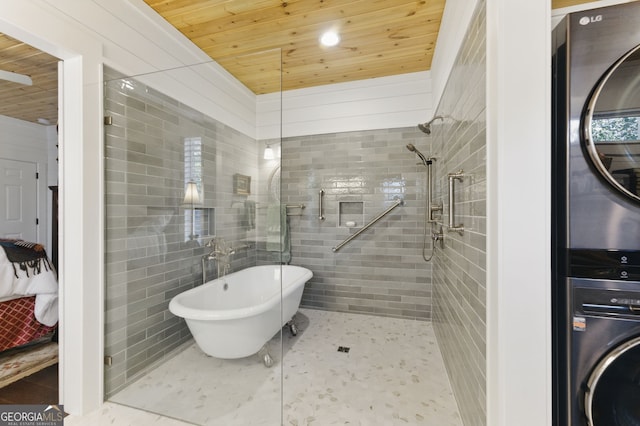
x,y
399,202
432,206
453,227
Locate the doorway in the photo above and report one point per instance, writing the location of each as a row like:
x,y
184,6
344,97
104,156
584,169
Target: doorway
x,y
28,166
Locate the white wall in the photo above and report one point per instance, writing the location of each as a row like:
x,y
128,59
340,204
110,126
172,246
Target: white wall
x,y
52,155
24,141
518,213
379,103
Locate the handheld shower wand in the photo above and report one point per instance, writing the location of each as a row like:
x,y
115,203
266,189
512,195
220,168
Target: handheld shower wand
x,y
424,159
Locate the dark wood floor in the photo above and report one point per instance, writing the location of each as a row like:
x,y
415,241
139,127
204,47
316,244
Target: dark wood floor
x,y
38,388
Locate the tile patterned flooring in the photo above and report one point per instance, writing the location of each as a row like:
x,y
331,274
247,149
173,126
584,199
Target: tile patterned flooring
x,y
393,374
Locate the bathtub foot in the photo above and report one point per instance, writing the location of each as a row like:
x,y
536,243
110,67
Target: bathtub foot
x,y
268,361
293,328
265,356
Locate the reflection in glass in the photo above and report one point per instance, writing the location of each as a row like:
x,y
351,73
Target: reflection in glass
x,y
193,188
613,126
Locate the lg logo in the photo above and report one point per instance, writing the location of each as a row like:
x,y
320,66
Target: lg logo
x,y
586,20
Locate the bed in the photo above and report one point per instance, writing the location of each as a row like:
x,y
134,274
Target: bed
x,y
28,294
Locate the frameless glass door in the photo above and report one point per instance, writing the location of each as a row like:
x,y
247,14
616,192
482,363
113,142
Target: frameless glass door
x,y
186,202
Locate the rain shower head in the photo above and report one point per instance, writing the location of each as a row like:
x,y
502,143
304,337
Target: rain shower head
x,y
426,127
424,159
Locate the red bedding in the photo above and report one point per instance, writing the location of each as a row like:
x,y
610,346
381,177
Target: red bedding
x,y
18,324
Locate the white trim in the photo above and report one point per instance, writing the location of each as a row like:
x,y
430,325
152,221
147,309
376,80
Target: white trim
x,y
80,269
518,193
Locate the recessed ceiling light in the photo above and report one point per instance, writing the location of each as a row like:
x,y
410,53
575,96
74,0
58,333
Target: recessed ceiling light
x,y
330,38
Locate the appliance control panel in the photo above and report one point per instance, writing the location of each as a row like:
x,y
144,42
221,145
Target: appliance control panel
x,y
604,264
611,302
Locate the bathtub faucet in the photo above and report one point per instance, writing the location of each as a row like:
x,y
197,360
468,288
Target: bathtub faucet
x,y
220,252
218,248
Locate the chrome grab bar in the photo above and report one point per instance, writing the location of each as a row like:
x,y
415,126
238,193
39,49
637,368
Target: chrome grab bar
x,y
453,227
295,206
431,208
320,197
399,202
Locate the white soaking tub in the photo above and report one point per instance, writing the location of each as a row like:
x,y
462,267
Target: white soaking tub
x,y
236,315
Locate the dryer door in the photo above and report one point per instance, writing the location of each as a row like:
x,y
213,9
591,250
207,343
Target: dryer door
x,y
612,397
611,125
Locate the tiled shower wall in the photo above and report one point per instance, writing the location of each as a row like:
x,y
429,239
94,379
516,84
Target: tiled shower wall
x,y
382,271
459,274
149,258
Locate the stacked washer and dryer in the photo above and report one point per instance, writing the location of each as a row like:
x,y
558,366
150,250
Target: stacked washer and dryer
x,y
596,217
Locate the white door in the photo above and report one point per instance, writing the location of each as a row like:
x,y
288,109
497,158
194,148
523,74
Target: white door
x,y
18,200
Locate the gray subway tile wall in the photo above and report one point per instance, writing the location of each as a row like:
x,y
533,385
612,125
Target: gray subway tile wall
x,y
459,271
381,272
149,257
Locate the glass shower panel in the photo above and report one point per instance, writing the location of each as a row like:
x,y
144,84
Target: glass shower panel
x,y
186,201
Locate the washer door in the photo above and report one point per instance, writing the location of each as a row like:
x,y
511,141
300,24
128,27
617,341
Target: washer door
x,y
611,125
612,396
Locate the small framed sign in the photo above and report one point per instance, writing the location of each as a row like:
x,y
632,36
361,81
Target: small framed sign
x,y
241,184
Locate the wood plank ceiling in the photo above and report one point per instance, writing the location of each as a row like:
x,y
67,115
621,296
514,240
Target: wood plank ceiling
x,y
379,38
29,103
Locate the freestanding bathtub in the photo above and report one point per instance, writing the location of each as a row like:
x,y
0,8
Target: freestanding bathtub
x,y
236,315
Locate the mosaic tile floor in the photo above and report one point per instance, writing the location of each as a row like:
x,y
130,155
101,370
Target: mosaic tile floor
x,y
388,372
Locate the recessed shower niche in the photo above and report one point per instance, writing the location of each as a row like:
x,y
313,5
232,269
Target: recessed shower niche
x,y
350,214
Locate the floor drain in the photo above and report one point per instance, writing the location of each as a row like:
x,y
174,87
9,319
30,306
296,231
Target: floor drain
x,y
344,349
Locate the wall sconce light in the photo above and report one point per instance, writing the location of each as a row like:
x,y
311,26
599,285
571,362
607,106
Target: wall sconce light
x,y
192,199
191,196
268,153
